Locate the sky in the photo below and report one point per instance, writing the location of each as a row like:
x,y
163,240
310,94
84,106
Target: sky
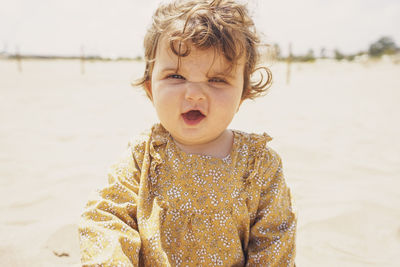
x,y
115,28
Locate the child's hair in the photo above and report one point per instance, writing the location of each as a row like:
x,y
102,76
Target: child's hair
x,y
222,24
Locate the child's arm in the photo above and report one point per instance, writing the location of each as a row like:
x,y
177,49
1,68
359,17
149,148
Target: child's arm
x,y
272,236
108,227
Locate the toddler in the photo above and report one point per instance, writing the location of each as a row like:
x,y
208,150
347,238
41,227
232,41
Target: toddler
x,y
191,192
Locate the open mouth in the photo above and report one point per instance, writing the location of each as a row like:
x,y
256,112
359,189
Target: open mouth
x,y
193,117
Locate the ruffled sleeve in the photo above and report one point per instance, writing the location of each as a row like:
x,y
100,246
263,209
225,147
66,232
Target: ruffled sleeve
x,y
272,235
108,227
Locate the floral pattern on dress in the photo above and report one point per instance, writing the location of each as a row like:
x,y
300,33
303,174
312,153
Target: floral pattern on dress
x,y
165,207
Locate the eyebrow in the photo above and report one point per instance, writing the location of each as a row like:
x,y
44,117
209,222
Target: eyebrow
x,y
223,74
226,74
168,69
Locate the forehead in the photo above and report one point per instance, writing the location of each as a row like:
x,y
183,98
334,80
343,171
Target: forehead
x,y
199,58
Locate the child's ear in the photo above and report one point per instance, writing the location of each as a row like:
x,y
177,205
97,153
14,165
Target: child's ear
x,y
147,87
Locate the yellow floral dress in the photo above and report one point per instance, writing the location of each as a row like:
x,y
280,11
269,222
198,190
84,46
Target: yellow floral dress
x,y
165,207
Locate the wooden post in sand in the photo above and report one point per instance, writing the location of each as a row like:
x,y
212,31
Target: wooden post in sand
x,y
289,63
18,59
82,59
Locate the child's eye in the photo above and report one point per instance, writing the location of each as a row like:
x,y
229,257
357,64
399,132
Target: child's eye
x,y
175,76
217,80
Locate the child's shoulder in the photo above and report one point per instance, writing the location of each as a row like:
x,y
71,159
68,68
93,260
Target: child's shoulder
x,y
143,142
256,145
138,142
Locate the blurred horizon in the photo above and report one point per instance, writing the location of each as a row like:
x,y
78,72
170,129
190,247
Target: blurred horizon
x,y
115,29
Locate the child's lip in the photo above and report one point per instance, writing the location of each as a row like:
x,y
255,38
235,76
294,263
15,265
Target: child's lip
x,y
194,109
193,117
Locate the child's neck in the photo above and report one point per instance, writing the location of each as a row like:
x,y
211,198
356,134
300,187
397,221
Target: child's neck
x,y
218,148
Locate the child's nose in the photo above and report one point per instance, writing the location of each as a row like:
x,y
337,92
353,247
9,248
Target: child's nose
x,y
194,91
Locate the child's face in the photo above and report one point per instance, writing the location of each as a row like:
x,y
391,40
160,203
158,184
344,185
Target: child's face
x,y
197,102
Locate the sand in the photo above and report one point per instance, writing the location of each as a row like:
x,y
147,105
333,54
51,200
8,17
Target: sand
x,y
335,126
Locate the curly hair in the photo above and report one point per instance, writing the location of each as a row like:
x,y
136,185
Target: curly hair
x,y
224,25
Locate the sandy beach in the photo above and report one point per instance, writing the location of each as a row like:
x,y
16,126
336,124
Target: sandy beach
x,y
335,125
